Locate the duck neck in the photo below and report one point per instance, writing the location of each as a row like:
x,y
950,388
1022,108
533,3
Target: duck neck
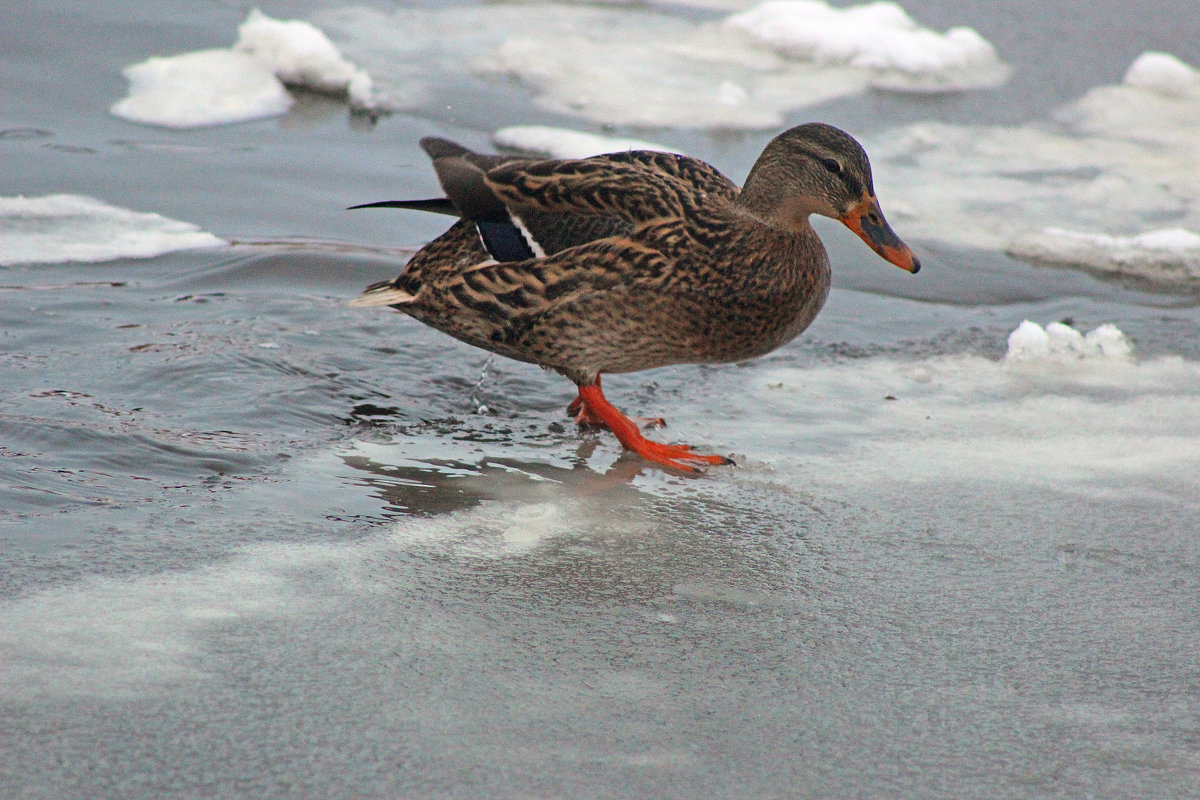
x,y
776,209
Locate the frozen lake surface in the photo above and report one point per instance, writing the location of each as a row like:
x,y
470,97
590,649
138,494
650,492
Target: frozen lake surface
x,y
257,543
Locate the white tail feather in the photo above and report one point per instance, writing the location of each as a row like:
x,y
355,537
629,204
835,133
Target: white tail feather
x,y
383,296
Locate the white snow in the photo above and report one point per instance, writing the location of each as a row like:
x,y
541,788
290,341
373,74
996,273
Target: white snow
x,y
1060,342
565,143
1162,72
877,36
221,86
1169,255
66,227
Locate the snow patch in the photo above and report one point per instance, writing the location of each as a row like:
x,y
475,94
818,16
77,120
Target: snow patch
x,y
880,37
66,227
1122,158
1163,73
222,86
1063,410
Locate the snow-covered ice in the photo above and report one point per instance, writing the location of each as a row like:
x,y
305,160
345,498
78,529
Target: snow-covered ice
x,y
247,82
66,227
566,143
1162,72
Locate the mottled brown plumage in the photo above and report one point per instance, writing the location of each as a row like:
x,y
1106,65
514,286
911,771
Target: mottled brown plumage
x,y
634,260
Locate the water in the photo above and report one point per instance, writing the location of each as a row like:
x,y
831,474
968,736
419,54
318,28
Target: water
x,y
258,543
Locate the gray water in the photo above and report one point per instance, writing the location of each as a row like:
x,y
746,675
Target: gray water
x,y
257,543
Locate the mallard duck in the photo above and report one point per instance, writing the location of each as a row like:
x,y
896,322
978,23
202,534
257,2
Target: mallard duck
x,y
634,260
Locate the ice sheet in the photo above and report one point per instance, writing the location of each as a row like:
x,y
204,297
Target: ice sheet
x,y
221,86
66,227
300,54
1063,410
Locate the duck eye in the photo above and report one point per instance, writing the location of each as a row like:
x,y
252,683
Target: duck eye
x,y
833,165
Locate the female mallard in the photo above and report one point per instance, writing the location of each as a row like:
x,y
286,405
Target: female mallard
x,y
633,260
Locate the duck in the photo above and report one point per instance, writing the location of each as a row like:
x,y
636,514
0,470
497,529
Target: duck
x,y
635,260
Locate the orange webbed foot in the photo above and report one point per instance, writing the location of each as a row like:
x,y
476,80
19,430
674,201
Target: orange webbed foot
x,y
592,408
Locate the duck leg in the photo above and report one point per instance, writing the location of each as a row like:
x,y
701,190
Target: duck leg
x,y
595,409
579,411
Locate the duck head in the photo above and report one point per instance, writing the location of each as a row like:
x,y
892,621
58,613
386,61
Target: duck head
x,y
820,169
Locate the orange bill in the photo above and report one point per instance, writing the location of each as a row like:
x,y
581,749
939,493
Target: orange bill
x,y
867,221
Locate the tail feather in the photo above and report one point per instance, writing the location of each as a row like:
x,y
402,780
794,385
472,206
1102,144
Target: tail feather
x,y
386,293
435,205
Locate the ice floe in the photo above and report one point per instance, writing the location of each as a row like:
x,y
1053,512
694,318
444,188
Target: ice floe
x,y
66,227
564,143
1168,256
246,82
652,67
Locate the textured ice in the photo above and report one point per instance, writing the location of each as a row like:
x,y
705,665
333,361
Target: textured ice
x,y
565,143
66,227
1170,255
630,66
221,86
878,36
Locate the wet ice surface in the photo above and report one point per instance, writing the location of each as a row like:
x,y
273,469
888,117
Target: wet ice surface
x,y
258,543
